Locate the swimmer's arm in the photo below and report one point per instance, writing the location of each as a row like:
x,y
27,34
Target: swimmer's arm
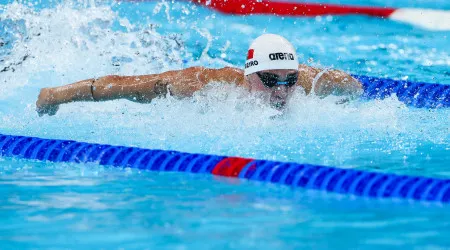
x,y
180,83
328,82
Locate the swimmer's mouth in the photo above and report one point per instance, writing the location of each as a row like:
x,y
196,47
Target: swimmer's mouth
x,y
279,105
278,102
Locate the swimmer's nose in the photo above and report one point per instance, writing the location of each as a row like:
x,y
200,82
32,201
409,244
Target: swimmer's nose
x,y
280,91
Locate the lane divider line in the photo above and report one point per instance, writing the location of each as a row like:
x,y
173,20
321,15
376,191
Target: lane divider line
x,y
436,20
330,179
415,94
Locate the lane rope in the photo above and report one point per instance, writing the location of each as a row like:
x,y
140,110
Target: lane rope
x,y
280,8
330,179
416,94
437,20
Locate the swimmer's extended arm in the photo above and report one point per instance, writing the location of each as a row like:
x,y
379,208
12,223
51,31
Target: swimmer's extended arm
x,y
143,89
327,82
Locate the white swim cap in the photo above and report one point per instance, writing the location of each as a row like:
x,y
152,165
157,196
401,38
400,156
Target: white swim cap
x,y
270,51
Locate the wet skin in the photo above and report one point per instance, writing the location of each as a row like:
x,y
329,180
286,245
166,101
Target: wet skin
x,y
185,82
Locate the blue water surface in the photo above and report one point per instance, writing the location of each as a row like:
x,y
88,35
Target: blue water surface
x,y
76,206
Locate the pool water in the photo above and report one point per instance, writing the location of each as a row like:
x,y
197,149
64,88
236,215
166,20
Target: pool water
x,y
76,206
63,206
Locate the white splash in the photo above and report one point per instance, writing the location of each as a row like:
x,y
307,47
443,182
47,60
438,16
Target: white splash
x,y
66,44
438,20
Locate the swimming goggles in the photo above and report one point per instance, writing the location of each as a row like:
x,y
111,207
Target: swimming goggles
x,y
271,80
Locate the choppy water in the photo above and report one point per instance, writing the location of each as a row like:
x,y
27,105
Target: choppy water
x,y
50,44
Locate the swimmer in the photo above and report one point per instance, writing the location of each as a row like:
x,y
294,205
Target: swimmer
x,y
271,68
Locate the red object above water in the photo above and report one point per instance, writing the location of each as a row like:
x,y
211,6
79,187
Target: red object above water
x,y
230,166
249,7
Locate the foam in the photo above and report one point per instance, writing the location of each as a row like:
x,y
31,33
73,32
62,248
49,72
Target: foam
x,y
66,44
438,20
222,119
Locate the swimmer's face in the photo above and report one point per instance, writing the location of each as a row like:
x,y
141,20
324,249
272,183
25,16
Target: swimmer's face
x,y
280,93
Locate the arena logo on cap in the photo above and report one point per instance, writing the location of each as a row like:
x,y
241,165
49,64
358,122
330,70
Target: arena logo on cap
x,y
281,56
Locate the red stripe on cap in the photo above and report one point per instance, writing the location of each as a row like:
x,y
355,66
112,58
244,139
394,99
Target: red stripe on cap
x,y
249,7
231,166
250,54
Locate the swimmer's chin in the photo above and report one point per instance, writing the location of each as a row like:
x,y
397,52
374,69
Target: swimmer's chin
x,y
280,106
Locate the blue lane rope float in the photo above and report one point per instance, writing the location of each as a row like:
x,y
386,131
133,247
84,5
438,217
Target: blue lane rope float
x,y
416,94
330,179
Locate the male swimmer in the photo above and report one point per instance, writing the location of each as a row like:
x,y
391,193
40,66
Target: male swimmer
x,y
271,68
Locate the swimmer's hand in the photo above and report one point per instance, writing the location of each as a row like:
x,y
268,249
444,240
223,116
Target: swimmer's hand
x,y
45,103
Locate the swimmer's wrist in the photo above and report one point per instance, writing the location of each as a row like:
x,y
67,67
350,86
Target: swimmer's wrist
x,y
49,96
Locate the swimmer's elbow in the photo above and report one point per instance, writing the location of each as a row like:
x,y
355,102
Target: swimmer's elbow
x,y
111,79
192,71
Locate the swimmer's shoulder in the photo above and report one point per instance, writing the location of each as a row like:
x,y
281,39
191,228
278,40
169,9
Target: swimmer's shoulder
x,y
198,74
229,75
306,75
235,75
327,81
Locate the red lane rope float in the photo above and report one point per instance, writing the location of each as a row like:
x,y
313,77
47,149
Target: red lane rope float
x,y
438,20
430,19
248,7
230,166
